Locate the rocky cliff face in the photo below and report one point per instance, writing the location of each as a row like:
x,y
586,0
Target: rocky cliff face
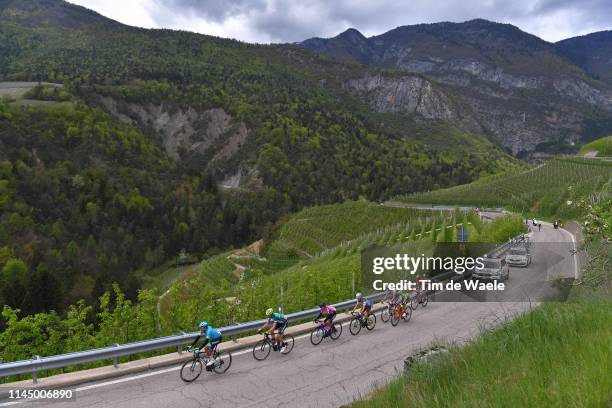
x,y
485,76
520,119
186,133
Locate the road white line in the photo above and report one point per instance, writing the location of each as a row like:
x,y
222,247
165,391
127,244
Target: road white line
x,y
138,377
167,370
574,255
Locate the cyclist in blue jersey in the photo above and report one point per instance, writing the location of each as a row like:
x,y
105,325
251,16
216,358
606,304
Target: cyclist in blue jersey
x,y
363,305
212,337
279,323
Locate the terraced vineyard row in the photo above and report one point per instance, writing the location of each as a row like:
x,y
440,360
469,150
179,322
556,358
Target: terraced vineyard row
x,y
543,189
317,229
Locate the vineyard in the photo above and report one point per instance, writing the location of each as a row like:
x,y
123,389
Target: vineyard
x,y
303,279
318,229
544,189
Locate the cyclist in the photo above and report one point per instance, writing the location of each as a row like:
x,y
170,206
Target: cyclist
x,y
279,323
364,304
419,286
330,313
212,339
404,301
391,297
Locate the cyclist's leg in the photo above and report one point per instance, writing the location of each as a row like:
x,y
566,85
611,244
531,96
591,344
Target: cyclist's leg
x,y
331,322
281,332
274,331
327,324
210,348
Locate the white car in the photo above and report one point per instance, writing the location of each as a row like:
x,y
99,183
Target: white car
x,y
494,269
518,256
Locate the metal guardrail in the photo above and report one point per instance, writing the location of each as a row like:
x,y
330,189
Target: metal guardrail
x,y
38,363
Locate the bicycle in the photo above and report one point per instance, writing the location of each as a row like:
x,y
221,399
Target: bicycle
x,y
387,312
319,333
401,311
359,321
192,369
419,299
261,349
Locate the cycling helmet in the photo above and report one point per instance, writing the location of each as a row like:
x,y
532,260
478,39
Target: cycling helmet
x,y
359,296
203,325
322,304
269,311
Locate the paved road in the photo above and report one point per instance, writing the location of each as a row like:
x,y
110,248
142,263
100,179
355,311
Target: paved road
x,y
331,374
485,214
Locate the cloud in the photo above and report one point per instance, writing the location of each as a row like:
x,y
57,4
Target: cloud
x,y
289,20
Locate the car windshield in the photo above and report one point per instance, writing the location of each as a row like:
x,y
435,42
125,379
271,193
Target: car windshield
x,y
517,251
491,263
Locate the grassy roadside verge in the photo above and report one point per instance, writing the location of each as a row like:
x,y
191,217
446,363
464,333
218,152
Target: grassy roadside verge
x,y
556,355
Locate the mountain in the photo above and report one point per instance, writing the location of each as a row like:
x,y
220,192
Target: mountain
x,y
141,148
349,45
592,52
518,88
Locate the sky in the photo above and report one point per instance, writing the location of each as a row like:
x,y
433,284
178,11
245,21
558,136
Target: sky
x,y
266,21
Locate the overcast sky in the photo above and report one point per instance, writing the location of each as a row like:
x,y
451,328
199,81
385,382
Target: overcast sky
x,y
267,21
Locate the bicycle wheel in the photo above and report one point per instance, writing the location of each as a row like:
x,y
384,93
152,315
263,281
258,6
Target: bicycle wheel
x,y
316,336
335,334
191,370
371,322
385,314
355,326
261,350
414,303
225,361
289,342
408,313
395,317
424,299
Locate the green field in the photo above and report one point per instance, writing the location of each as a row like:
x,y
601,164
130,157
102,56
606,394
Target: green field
x,y
601,147
21,93
542,190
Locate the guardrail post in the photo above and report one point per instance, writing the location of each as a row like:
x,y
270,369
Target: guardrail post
x,y
178,348
34,376
115,360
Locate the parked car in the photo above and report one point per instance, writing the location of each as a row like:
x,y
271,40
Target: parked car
x,y
494,269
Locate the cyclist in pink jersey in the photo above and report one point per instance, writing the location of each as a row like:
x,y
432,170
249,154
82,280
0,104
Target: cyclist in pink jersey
x,y
330,313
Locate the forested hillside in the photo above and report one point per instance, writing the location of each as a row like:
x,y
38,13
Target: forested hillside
x,y
122,168
85,200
